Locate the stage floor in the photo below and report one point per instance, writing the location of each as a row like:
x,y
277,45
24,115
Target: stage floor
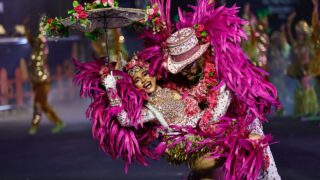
x,y
72,154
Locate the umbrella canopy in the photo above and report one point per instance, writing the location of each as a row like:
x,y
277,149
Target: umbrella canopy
x,y
107,18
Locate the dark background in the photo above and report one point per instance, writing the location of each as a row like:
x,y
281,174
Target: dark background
x,y
15,11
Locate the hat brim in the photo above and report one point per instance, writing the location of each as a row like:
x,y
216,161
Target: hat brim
x,y
176,67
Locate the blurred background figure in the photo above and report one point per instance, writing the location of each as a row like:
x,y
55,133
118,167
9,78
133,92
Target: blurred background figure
x,y
279,60
40,78
306,102
258,39
314,65
112,45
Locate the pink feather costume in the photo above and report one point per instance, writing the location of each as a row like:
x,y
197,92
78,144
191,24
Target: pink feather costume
x,y
227,138
127,143
253,95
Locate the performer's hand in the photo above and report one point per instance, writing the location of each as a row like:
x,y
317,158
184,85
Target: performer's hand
x,y
255,136
109,82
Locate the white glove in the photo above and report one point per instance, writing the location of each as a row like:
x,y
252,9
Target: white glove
x,y
109,82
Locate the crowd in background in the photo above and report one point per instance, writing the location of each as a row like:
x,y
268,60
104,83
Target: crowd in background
x,y
293,61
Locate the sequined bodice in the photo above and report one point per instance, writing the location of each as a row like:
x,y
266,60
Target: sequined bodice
x,y
172,107
38,69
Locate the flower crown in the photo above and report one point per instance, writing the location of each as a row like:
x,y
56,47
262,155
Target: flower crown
x,y
135,64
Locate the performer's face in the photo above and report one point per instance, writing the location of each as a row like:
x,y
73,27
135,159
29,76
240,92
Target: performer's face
x,y
192,71
142,80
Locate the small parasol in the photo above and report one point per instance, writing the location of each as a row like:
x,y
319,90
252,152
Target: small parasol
x,y
107,18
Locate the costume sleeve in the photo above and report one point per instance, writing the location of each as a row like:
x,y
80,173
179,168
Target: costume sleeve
x,y
125,121
272,172
122,117
223,102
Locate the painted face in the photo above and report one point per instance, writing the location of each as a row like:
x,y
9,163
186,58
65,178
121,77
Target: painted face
x,y
142,80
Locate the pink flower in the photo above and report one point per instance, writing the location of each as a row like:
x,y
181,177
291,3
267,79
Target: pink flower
x,y
199,91
209,74
206,117
209,67
136,62
83,15
164,45
157,20
206,39
78,8
198,34
212,99
191,107
205,124
104,2
150,17
155,10
108,2
200,28
111,3
50,20
150,11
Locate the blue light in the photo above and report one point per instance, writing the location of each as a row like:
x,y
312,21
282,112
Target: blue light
x,y
10,40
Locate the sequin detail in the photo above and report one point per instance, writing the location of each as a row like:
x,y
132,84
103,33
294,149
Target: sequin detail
x,y
38,67
172,108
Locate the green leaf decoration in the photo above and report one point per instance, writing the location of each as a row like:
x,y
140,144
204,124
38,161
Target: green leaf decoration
x,y
75,3
73,20
70,11
116,4
262,13
204,33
